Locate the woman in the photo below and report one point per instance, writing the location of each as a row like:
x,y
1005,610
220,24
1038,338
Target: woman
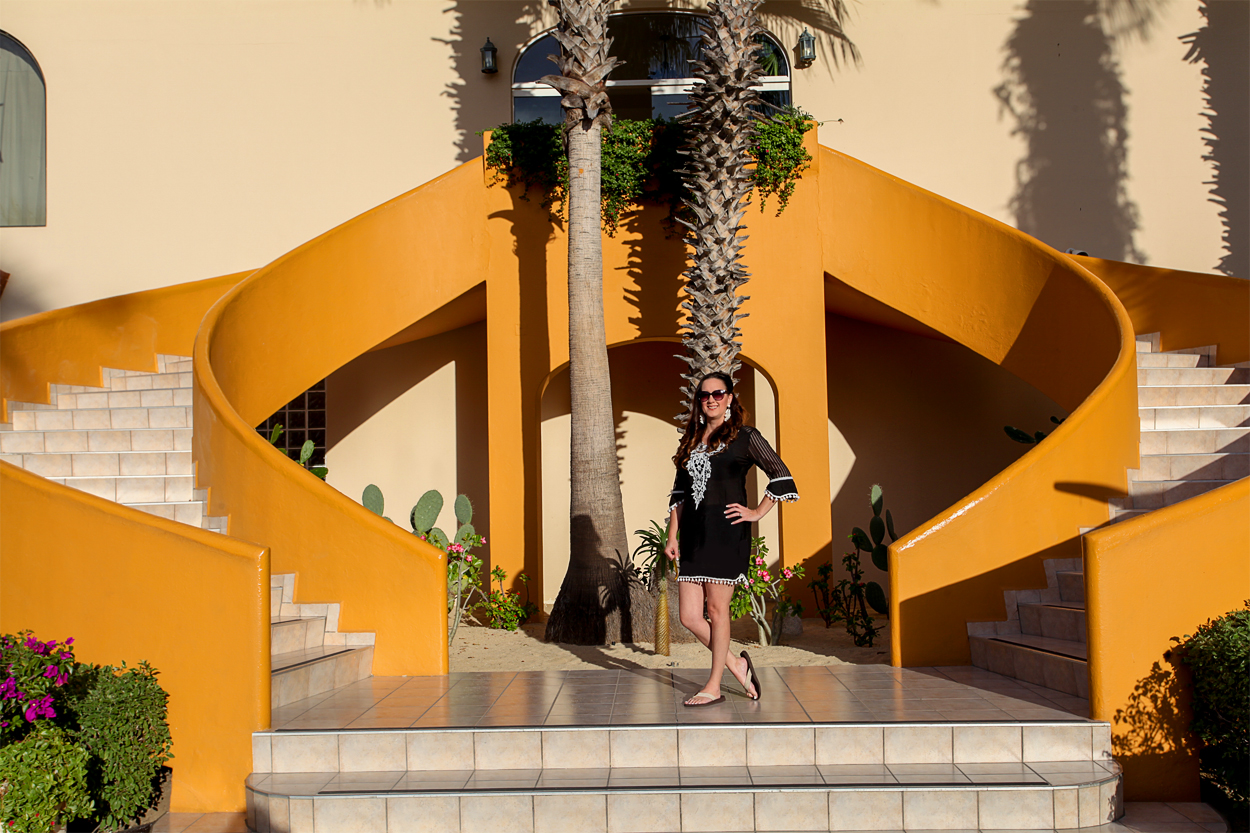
x,y
708,505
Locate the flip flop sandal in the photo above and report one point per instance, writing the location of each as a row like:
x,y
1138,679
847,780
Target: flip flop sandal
x,y
707,701
755,680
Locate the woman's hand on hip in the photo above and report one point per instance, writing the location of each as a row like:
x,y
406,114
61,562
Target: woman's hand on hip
x,y
737,513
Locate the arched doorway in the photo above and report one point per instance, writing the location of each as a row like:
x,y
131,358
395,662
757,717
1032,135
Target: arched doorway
x,y
646,378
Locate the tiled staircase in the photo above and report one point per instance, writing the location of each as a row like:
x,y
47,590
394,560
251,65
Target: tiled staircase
x,y
130,442
1195,436
308,655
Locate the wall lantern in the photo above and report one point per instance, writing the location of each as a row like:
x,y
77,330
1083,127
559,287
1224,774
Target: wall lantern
x,y
806,48
489,65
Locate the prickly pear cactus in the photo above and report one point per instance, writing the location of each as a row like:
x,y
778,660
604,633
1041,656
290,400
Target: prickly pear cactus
x,y
874,542
464,510
464,533
373,500
437,537
425,514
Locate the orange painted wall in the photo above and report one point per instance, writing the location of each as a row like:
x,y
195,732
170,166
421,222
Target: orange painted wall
x,y
1033,312
1187,309
1134,611
351,289
129,587
69,346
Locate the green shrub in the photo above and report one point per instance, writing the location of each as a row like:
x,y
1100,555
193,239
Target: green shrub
x,y
43,781
1218,654
122,726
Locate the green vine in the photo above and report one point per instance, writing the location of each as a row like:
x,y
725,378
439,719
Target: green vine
x,y
780,158
641,162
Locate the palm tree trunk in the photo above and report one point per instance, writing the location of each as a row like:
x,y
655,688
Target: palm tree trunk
x,y
598,601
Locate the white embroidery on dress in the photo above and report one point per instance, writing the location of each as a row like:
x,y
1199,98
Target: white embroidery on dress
x,y
700,468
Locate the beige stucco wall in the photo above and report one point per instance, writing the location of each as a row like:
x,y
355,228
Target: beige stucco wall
x,y
410,418
931,432
203,137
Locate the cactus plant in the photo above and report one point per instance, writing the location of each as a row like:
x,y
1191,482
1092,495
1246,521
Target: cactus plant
x,y
873,542
373,500
425,513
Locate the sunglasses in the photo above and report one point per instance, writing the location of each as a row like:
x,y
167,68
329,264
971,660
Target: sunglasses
x,y
718,395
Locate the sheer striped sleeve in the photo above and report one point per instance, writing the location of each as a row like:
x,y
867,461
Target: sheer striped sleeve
x,y
681,488
780,484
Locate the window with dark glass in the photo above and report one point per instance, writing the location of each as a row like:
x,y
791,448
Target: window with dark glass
x,y
303,418
23,146
655,80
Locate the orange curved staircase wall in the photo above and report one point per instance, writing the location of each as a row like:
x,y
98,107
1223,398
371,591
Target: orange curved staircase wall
x,y
291,324
1035,313
1187,309
129,587
68,346
1147,580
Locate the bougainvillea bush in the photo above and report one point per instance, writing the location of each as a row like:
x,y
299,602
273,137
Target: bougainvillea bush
x,y
77,741
33,675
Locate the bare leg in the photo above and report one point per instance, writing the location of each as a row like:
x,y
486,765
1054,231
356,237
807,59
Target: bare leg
x,y
690,597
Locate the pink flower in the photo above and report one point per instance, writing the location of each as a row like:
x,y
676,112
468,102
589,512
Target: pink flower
x,y
759,562
764,575
788,573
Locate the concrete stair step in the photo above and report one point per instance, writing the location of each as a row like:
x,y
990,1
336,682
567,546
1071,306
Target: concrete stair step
x,y
1152,419
133,490
104,463
159,398
1153,494
1190,441
1071,586
65,442
1167,360
1179,372
1064,621
1153,396
1054,663
298,675
153,381
187,512
1050,795
290,635
1221,466
102,419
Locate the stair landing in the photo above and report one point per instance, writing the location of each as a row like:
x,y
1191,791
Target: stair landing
x,y
826,748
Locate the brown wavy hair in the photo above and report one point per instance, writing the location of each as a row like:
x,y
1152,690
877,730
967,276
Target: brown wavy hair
x,y
724,434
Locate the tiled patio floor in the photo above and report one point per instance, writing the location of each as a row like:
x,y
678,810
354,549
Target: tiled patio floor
x,y
1139,817
810,694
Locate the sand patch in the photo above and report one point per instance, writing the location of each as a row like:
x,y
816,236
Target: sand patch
x,y
486,649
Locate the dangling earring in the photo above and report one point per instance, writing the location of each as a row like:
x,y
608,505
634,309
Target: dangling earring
x,y
726,413
701,421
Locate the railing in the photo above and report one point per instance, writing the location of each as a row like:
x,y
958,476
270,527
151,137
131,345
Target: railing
x,y
1148,579
68,346
294,322
129,587
1035,313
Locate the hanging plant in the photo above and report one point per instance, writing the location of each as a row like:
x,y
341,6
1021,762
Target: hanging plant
x,y
780,158
642,161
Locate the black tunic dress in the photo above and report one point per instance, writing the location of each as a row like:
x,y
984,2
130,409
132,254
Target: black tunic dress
x,y
713,548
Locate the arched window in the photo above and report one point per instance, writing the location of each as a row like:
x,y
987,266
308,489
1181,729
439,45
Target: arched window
x,y
655,80
23,178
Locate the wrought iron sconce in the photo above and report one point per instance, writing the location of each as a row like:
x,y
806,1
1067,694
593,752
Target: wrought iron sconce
x,y
489,65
